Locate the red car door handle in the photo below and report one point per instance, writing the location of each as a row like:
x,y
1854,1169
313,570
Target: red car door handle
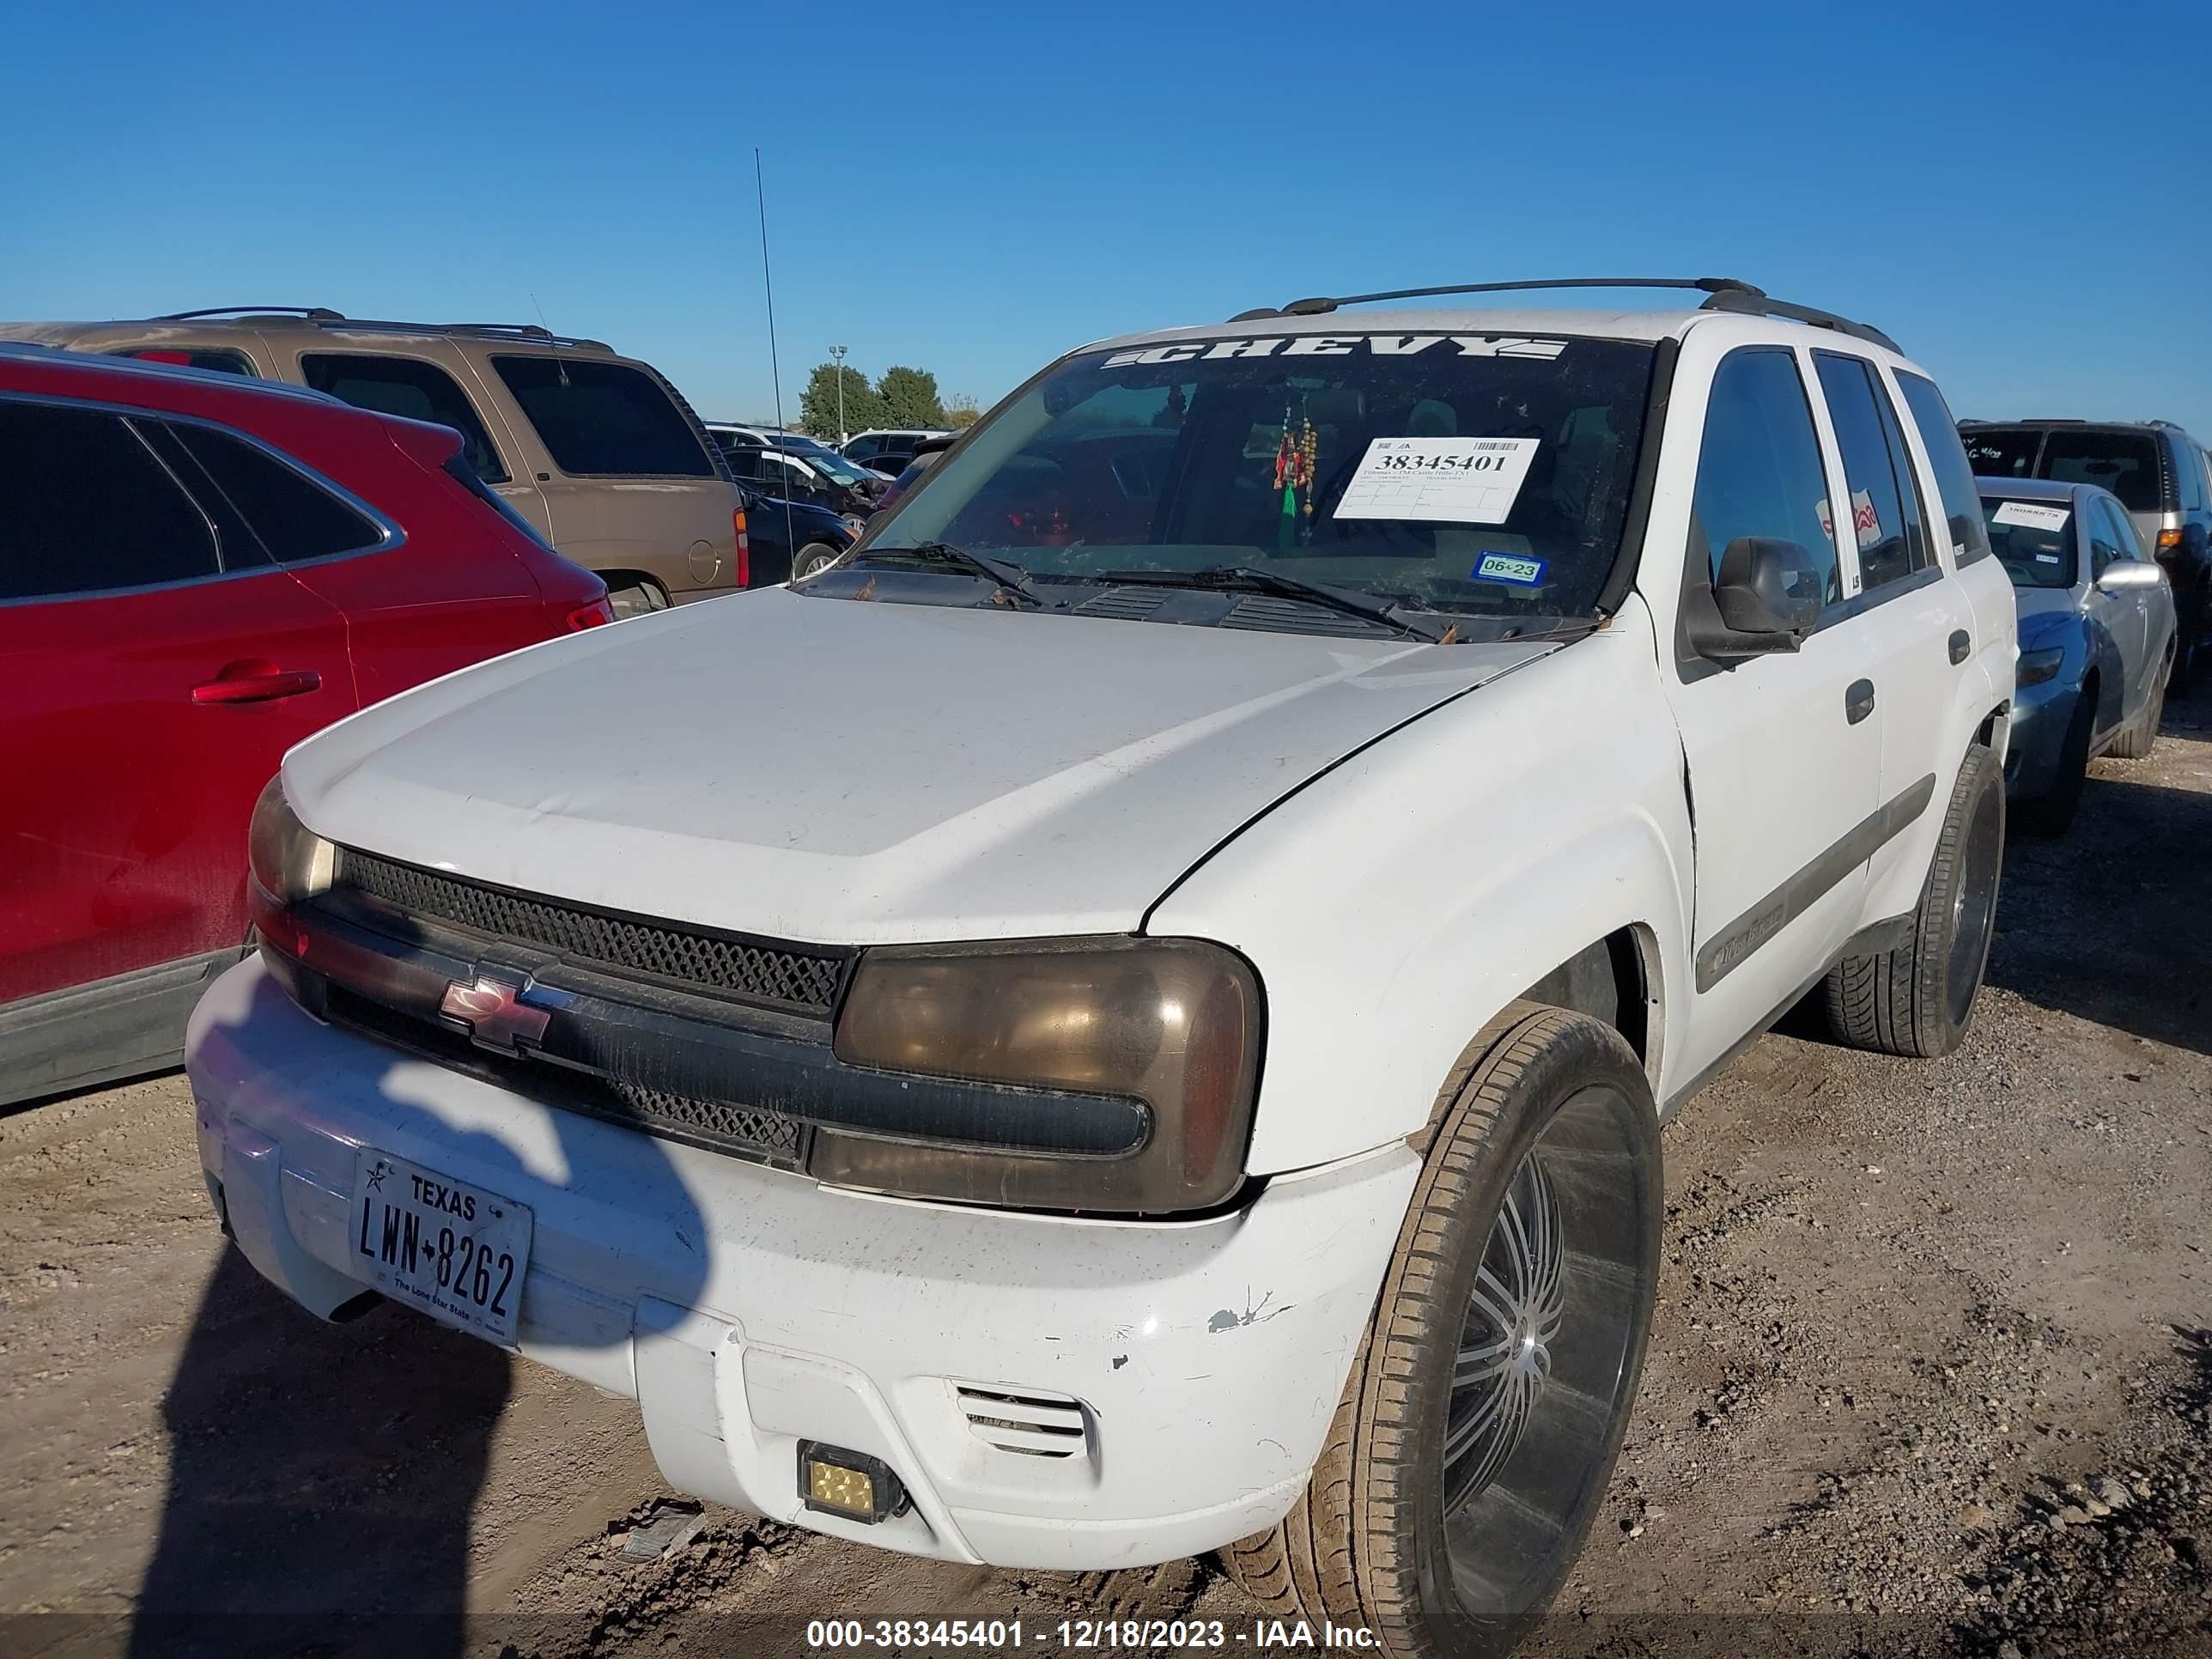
x,y
257,683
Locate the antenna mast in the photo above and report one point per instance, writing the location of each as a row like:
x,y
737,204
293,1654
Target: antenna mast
x,y
775,373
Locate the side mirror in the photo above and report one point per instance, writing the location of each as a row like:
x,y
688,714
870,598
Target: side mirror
x,y
1766,599
2125,575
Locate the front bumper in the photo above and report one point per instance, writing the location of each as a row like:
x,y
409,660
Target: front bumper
x,y
2037,736
746,1308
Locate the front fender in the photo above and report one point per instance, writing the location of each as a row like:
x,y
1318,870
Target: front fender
x,y
1396,903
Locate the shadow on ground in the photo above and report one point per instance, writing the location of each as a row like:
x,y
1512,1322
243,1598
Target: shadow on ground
x,y
2114,922
321,1480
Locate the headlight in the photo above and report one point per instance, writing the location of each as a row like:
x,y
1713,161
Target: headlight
x,y
2036,666
1172,1023
289,862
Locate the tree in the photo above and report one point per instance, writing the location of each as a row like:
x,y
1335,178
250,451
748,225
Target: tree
x,y
909,398
961,411
817,404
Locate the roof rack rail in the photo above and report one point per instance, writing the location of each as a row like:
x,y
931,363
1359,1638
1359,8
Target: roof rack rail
x,y
313,314
1722,294
1756,304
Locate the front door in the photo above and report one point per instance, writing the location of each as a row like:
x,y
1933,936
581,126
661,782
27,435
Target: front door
x,y
1784,751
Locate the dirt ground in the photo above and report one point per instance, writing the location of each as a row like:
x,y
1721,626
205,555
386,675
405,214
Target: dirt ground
x,y
1931,1371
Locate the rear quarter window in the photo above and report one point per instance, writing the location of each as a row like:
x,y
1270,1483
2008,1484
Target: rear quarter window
x,y
293,518
605,420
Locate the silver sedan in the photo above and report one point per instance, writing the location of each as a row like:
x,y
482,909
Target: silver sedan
x,y
2096,639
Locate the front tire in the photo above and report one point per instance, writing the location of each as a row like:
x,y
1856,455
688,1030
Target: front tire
x,y
1918,999
1471,1448
815,556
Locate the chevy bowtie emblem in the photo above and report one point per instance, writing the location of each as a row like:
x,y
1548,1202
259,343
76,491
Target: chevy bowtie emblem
x,y
495,1013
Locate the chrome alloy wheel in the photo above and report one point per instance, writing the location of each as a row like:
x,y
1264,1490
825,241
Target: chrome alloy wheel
x,y
1514,1316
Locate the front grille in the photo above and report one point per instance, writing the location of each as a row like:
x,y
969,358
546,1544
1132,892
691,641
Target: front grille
x,y
761,1137
779,1139
689,959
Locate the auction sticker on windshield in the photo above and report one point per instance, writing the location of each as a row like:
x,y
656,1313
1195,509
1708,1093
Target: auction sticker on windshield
x,y
1451,480
2030,515
453,1250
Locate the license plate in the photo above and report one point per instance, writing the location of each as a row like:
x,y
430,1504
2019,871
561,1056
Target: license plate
x,y
453,1250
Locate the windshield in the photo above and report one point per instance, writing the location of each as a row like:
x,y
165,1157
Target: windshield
x,y
1463,473
2034,539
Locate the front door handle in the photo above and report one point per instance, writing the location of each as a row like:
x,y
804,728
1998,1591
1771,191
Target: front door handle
x,y
1961,647
1858,701
255,681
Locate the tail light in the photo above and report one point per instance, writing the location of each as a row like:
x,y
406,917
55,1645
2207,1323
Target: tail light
x,y
594,615
181,359
745,548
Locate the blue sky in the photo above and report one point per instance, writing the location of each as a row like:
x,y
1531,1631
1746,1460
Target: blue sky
x,y
2019,193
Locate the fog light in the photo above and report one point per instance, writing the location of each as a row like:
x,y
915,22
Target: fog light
x,y
848,1483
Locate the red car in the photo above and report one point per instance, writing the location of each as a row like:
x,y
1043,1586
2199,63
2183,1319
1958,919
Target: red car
x,y
196,572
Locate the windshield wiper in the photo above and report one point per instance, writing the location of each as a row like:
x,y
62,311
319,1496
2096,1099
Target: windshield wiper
x,y
1248,579
1007,576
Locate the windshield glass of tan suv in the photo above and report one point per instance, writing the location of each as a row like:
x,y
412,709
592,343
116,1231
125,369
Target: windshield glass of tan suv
x,y
1468,473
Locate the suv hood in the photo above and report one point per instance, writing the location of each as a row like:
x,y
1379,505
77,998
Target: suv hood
x,y
845,772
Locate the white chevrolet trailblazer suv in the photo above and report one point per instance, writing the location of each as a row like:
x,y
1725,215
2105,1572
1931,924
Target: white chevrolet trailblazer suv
x,y
1150,1034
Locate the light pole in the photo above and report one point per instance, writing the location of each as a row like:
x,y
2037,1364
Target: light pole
x,y
837,356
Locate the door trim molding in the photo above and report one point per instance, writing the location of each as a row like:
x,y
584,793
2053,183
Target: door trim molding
x,y
1735,944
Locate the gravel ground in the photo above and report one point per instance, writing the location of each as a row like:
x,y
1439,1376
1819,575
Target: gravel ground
x,y
1931,1371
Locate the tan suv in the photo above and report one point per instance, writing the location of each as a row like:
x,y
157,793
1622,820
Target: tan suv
x,y
600,454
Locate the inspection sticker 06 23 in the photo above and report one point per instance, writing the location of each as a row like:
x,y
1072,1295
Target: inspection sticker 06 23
x,y
1508,568
1451,480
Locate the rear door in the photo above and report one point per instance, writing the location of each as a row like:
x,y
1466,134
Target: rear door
x,y
424,576
1917,624
157,670
424,391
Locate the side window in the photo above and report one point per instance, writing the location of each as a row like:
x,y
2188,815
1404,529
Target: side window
x,y
1921,544
1955,475
605,420
221,362
1759,464
291,517
406,385
85,506
1877,509
2126,543
2104,545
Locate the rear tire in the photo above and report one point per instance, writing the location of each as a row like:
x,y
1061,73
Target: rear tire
x,y
2051,815
2139,739
1919,999
1471,1448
